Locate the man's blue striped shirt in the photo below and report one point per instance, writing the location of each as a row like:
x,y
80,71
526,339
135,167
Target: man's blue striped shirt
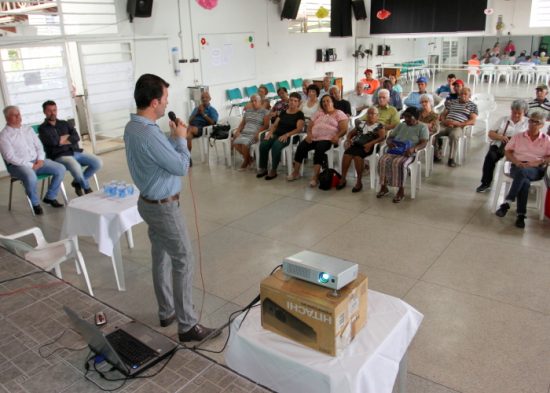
x,y
156,162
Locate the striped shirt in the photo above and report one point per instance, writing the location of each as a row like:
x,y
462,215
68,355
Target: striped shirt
x,y
460,111
155,161
544,105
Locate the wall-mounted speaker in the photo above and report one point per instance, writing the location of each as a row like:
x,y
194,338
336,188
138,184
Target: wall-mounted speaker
x,y
290,9
139,8
359,9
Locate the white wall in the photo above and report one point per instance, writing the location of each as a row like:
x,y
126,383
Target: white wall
x,y
279,55
515,15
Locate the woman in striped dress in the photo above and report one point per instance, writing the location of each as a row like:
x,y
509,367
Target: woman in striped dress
x,y
392,167
255,120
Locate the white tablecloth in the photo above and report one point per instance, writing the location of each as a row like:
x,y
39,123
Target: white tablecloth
x,y
369,364
106,219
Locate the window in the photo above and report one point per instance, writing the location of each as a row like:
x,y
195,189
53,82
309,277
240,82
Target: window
x,y
540,13
307,20
58,17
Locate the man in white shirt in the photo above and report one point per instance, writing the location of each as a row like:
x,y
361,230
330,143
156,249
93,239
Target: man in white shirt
x,y
504,129
358,99
25,159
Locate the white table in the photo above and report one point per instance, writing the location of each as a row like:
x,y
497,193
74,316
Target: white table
x,y
105,219
370,364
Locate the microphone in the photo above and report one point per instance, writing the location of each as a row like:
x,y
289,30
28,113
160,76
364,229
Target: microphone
x,y
172,116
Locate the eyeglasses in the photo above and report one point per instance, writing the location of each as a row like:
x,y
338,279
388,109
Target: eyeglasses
x,y
535,121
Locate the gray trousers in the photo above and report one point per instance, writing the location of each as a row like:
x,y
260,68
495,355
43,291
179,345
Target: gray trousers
x,y
454,134
173,262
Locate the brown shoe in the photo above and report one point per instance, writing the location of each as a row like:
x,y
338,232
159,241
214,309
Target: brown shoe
x,y
197,333
168,321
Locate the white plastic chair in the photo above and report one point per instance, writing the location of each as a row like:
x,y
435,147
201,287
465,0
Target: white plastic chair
x,y
489,71
502,176
46,255
505,71
473,71
486,105
234,122
542,74
527,73
414,170
461,148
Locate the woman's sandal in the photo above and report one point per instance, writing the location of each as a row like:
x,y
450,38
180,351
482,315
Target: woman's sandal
x,y
357,188
398,198
382,193
342,185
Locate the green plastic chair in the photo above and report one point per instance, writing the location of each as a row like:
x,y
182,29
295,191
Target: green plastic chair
x,y
297,83
283,84
250,90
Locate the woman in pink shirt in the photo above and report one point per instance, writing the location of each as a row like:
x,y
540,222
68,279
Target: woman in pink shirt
x,y
529,153
326,128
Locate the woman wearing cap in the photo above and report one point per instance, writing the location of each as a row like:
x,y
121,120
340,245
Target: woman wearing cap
x,y
392,167
326,128
371,84
254,121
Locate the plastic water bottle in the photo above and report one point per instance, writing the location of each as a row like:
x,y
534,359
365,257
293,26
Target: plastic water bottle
x,y
130,189
121,190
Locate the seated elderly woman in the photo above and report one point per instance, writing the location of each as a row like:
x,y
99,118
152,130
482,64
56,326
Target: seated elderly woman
x,y
281,105
325,129
427,114
254,121
262,93
393,165
360,144
311,105
289,122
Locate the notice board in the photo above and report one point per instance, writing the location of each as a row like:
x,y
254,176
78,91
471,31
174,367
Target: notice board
x,y
227,58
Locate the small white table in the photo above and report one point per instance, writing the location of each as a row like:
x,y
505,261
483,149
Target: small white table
x,y
370,364
105,219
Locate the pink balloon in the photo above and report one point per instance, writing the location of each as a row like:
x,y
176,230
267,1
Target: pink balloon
x,y
208,4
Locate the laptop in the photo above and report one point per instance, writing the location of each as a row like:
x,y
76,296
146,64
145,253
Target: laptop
x,y
130,348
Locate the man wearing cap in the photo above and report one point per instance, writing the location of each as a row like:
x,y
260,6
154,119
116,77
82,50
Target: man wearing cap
x,y
371,84
445,90
529,153
413,98
456,88
457,115
540,102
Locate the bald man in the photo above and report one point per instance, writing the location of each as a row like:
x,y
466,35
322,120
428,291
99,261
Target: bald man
x,y
202,116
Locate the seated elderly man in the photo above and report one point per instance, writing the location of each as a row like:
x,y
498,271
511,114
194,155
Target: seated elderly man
x,y
339,102
305,84
25,159
529,153
327,83
413,99
387,114
540,102
457,115
60,141
395,97
504,129
358,99
202,116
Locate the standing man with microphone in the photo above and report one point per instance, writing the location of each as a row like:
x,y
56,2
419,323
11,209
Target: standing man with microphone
x,y
156,164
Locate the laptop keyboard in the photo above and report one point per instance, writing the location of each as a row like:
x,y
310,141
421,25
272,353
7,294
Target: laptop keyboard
x,y
131,350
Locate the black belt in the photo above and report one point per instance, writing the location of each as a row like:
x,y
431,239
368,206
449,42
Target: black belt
x,y
172,198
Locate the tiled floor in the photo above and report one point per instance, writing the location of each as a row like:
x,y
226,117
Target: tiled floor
x,y
482,284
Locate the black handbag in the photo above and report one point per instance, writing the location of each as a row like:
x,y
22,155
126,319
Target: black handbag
x,y
220,131
501,148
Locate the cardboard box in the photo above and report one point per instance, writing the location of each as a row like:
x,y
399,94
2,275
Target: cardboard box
x,y
309,314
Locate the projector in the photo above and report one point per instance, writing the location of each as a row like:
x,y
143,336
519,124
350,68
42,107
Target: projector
x,y
320,269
